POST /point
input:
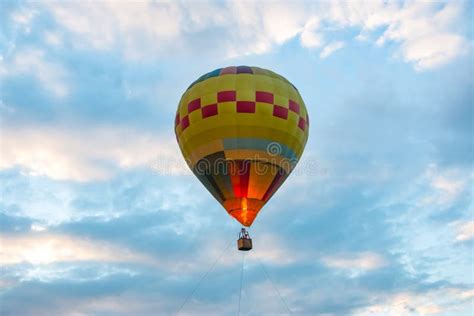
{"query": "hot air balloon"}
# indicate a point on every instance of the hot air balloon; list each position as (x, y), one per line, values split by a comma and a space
(241, 131)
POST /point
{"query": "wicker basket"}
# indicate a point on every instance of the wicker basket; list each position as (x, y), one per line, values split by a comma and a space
(244, 244)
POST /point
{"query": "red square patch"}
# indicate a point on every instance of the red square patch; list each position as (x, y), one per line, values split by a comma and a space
(261, 96)
(185, 122)
(209, 110)
(224, 96)
(245, 107)
(280, 112)
(302, 123)
(194, 105)
(229, 70)
(295, 107)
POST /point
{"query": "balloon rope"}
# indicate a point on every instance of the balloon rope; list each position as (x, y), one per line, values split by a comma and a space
(274, 286)
(241, 279)
(203, 277)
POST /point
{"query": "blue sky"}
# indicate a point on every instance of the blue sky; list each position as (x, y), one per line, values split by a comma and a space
(99, 215)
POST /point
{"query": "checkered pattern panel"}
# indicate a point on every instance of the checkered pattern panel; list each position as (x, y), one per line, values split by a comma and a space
(243, 107)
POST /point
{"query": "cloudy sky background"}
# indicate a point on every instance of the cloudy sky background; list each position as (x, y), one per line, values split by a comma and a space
(99, 215)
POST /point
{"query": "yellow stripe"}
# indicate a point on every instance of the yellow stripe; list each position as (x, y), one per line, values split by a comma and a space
(198, 139)
(259, 181)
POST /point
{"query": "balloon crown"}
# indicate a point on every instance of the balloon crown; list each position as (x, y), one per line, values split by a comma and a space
(233, 70)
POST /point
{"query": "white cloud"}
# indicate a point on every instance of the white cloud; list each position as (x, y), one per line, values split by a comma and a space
(331, 48)
(53, 38)
(355, 263)
(310, 38)
(467, 294)
(433, 50)
(257, 27)
(449, 301)
(23, 18)
(465, 231)
(428, 33)
(48, 248)
(38, 227)
(273, 250)
(445, 186)
(137, 27)
(41, 249)
(282, 22)
(144, 29)
(52, 76)
(89, 153)
(450, 187)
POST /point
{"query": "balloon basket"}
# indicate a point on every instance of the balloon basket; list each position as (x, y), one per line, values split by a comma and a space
(244, 244)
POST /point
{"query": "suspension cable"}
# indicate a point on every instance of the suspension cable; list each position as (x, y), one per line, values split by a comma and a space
(241, 280)
(274, 286)
(203, 277)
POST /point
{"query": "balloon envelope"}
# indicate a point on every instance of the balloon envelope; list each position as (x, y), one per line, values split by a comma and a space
(242, 130)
